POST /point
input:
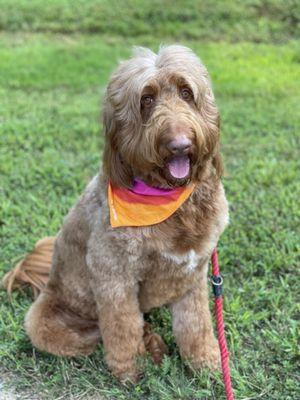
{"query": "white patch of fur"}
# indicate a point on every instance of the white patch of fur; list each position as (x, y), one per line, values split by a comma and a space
(189, 260)
(91, 186)
(93, 211)
(224, 216)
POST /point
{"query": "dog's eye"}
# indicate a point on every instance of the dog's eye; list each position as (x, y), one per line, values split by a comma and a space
(147, 100)
(186, 94)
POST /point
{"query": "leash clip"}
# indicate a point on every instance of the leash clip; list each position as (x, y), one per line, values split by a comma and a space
(217, 282)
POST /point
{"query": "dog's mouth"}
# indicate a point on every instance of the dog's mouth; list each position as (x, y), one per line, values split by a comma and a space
(179, 166)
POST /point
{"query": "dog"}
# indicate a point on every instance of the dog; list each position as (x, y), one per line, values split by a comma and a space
(162, 128)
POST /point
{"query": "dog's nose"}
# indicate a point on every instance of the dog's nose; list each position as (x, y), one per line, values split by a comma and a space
(180, 145)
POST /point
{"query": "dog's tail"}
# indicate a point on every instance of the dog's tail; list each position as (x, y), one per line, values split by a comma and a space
(34, 269)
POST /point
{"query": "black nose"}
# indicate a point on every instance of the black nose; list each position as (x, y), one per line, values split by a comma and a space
(180, 145)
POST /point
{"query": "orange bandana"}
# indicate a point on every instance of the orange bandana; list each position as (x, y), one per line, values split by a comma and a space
(144, 205)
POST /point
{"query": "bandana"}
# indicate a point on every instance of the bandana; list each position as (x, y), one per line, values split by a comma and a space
(144, 205)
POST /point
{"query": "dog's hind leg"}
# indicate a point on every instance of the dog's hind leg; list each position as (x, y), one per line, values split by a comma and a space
(58, 331)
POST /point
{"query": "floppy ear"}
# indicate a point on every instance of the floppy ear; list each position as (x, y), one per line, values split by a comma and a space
(210, 114)
(217, 162)
(118, 172)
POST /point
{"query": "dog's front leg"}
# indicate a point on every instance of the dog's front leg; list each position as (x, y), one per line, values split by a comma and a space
(121, 328)
(193, 330)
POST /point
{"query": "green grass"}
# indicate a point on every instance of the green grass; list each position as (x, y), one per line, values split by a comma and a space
(257, 20)
(50, 145)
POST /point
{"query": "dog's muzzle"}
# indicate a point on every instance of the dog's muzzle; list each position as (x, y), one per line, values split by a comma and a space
(179, 162)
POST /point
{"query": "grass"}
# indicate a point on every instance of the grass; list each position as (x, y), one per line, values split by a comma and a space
(256, 20)
(51, 85)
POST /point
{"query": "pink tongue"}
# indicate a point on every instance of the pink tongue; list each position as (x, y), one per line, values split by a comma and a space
(179, 166)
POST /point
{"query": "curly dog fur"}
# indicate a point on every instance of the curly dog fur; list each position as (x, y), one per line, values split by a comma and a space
(102, 279)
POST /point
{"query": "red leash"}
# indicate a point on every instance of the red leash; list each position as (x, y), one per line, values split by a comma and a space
(217, 281)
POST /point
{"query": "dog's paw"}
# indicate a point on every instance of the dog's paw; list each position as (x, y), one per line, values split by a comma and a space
(129, 377)
(126, 370)
(207, 356)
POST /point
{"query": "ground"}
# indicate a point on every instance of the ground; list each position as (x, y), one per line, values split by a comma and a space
(54, 67)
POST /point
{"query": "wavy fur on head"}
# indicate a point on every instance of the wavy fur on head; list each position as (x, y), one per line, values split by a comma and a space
(136, 140)
(160, 119)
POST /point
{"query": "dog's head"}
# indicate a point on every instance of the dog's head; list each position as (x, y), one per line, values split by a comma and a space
(161, 122)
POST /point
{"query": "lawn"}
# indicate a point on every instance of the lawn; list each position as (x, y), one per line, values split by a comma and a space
(53, 70)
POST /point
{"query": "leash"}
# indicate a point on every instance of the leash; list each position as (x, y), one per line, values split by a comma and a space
(217, 281)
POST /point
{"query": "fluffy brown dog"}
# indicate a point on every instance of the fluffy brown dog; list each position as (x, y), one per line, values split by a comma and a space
(162, 126)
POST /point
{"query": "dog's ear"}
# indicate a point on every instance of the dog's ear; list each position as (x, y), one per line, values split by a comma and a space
(217, 161)
(118, 172)
(211, 116)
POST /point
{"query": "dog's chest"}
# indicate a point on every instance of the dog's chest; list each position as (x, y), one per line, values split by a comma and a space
(188, 261)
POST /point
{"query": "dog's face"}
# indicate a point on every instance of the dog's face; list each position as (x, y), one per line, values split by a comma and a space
(161, 122)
